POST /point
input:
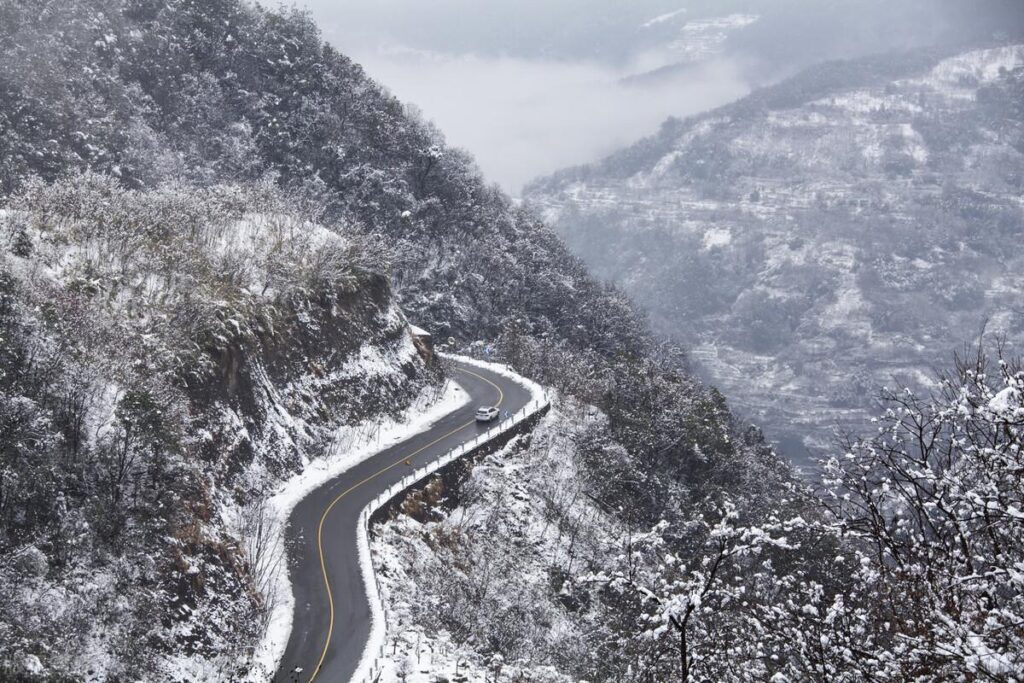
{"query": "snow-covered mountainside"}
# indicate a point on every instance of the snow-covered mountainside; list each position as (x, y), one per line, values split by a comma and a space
(168, 357)
(858, 222)
(213, 222)
(495, 580)
(538, 568)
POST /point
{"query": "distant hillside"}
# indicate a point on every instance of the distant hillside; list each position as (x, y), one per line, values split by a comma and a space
(855, 223)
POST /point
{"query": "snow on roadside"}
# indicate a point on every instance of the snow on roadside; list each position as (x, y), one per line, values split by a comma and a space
(378, 638)
(361, 446)
(511, 519)
(537, 391)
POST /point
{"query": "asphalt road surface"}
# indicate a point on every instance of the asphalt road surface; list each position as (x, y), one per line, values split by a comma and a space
(332, 612)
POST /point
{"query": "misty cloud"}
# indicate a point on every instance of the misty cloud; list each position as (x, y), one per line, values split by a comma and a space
(529, 86)
(524, 118)
(529, 92)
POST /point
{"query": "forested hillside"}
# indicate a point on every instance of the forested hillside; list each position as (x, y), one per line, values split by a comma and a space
(214, 229)
(211, 218)
(200, 92)
(168, 356)
(819, 238)
(904, 567)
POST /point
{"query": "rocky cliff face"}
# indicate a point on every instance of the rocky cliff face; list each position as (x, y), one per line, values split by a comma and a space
(858, 222)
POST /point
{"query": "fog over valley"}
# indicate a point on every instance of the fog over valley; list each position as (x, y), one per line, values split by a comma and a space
(531, 87)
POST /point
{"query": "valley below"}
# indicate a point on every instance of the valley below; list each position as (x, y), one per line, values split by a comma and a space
(848, 229)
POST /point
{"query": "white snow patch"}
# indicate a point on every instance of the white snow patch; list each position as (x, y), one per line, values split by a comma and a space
(32, 665)
(958, 78)
(703, 39)
(662, 18)
(867, 102)
(717, 237)
(984, 66)
(1007, 403)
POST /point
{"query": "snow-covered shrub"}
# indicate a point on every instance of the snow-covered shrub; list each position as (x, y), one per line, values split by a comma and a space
(935, 504)
(909, 570)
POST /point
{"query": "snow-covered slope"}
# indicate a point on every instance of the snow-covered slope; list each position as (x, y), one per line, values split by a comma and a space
(168, 359)
(236, 211)
(859, 221)
(448, 577)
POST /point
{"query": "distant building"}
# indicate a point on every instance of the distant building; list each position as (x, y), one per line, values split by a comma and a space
(423, 341)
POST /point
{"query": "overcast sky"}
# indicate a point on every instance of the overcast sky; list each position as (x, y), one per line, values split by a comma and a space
(531, 86)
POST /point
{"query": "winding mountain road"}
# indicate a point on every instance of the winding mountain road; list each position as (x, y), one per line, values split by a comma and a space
(332, 619)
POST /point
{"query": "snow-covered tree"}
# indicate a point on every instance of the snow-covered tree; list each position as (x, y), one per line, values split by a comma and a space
(935, 503)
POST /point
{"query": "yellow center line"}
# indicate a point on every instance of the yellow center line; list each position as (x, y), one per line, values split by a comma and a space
(327, 511)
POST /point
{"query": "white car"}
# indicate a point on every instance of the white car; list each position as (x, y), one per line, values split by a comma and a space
(486, 414)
